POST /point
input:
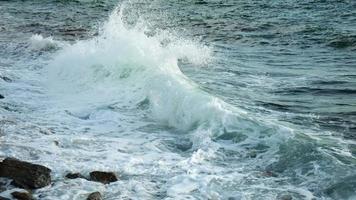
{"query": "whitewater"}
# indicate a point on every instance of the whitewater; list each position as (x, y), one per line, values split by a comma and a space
(137, 101)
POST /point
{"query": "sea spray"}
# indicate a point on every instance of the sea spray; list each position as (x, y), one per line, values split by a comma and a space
(40, 43)
(125, 63)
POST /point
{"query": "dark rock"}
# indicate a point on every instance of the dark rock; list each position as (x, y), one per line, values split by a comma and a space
(3, 198)
(7, 79)
(94, 196)
(74, 176)
(25, 174)
(19, 184)
(103, 177)
(1, 96)
(22, 195)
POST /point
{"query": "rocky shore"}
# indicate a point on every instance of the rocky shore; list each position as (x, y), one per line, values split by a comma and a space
(25, 178)
(19, 179)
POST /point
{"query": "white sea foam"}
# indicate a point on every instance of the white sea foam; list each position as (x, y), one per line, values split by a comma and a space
(126, 65)
(38, 42)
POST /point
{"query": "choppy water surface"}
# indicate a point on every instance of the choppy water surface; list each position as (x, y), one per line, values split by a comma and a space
(183, 99)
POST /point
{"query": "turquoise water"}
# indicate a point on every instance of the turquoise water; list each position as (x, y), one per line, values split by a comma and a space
(183, 99)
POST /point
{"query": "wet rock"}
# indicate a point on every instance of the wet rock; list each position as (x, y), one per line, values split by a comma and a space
(2, 96)
(74, 176)
(3, 198)
(22, 195)
(94, 196)
(19, 184)
(25, 174)
(103, 177)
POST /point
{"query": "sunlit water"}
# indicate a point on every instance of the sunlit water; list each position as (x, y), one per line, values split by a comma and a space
(182, 100)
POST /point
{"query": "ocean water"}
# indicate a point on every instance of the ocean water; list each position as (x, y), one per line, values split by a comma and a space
(203, 99)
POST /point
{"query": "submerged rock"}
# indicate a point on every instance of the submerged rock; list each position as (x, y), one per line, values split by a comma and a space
(1, 96)
(22, 195)
(342, 42)
(252, 154)
(56, 143)
(25, 174)
(103, 177)
(269, 173)
(74, 176)
(7, 79)
(184, 145)
(3, 198)
(94, 196)
(74, 32)
(285, 197)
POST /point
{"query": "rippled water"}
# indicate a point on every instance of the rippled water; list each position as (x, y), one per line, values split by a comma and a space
(182, 99)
